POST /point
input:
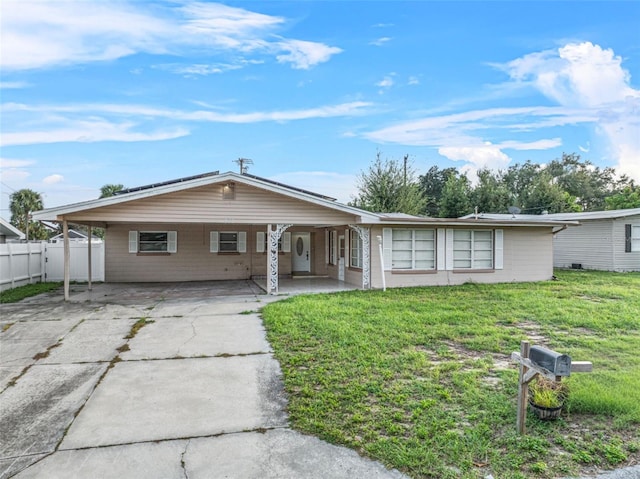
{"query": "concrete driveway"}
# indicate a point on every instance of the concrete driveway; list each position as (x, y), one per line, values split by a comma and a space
(154, 381)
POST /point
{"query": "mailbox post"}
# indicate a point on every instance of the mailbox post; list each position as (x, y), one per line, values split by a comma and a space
(538, 360)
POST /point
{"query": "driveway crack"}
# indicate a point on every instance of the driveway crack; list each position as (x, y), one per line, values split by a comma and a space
(193, 335)
(183, 463)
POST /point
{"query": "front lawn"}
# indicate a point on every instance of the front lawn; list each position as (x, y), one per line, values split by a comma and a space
(420, 378)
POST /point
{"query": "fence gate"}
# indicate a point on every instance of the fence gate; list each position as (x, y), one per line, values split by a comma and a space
(78, 261)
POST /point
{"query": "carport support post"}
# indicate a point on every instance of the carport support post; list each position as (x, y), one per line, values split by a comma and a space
(89, 258)
(65, 236)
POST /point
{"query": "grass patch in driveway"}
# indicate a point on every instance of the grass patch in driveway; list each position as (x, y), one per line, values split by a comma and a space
(21, 292)
(419, 378)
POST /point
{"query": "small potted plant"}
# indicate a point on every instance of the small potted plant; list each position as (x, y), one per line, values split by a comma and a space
(546, 397)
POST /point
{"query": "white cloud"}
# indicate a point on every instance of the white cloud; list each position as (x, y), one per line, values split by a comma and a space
(53, 179)
(413, 80)
(380, 41)
(13, 85)
(127, 123)
(303, 55)
(14, 163)
(340, 186)
(49, 34)
(546, 144)
(87, 131)
(477, 157)
(589, 77)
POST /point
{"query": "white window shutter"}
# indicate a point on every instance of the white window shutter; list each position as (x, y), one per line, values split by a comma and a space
(498, 247)
(326, 246)
(172, 241)
(242, 242)
(387, 248)
(213, 241)
(260, 241)
(286, 242)
(440, 248)
(334, 250)
(133, 241)
(449, 249)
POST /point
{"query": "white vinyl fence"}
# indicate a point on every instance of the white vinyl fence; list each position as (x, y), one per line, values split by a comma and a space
(24, 263)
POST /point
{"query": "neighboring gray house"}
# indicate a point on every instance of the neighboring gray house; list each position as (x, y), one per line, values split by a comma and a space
(8, 232)
(606, 240)
(75, 236)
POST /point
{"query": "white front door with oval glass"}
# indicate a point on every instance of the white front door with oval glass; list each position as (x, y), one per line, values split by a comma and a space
(301, 252)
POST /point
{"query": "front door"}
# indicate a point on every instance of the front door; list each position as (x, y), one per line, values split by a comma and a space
(301, 252)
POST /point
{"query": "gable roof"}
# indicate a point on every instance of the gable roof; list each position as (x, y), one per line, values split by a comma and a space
(10, 231)
(131, 194)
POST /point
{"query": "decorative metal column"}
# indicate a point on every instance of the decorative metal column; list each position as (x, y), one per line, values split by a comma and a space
(365, 236)
(273, 236)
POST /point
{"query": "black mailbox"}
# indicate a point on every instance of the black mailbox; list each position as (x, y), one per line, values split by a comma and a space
(558, 364)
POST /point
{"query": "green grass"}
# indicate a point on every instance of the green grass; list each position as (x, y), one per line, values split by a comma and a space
(419, 378)
(21, 292)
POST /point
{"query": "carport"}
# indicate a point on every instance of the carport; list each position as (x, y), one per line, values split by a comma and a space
(223, 227)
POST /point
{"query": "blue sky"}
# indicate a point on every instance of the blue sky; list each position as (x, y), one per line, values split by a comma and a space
(137, 92)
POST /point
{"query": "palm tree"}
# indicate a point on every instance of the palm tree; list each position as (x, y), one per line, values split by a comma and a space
(22, 204)
(109, 190)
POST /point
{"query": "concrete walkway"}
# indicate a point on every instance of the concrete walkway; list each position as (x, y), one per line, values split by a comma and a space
(194, 393)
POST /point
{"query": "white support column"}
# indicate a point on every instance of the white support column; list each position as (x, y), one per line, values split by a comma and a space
(365, 236)
(65, 235)
(89, 259)
(273, 236)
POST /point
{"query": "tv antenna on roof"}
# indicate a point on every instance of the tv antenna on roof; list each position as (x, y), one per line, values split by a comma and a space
(514, 210)
(242, 162)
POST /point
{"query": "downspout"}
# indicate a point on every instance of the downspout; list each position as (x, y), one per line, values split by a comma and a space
(564, 227)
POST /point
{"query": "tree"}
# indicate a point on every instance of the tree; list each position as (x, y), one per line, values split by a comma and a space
(588, 183)
(431, 184)
(545, 195)
(629, 197)
(21, 204)
(519, 180)
(455, 200)
(109, 190)
(389, 187)
(491, 194)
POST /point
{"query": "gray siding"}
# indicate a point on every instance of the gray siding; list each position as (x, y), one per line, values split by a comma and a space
(624, 261)
(596, 244)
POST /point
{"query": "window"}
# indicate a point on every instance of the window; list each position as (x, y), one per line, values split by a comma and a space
(635, 238)
(153, 241)
(228, 242)
(472, 249)
(413, 249)
(284, 242)
(356, 250)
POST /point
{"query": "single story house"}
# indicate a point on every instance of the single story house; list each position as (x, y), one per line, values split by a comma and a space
(606, 240)
(239, 226)
(8, 232)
